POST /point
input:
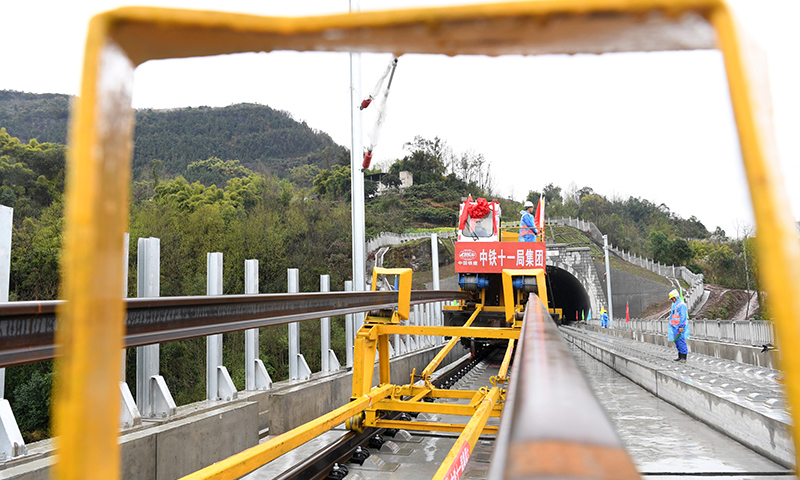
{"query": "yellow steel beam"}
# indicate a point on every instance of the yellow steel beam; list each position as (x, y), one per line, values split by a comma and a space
(439, 358)
(365, 344)
(419, 396)
(455, 459)
(435, 408)
(431, 426)
(776, 238)
(245, 462)
(477, 332)
(413, 390)
(502, 375)
(91, 321)
(384, 367)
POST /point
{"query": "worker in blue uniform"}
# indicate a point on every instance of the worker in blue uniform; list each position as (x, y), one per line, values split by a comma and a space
(604, 318)
(527, 230)
(678, 331)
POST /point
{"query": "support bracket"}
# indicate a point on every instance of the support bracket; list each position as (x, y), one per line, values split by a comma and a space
(226, 390)
(160, 398)
(263, 380)
(129, 415)
(11, 443)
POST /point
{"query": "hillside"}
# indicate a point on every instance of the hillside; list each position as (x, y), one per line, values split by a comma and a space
(261, 138)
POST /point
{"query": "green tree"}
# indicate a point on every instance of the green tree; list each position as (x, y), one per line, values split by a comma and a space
(214, 171)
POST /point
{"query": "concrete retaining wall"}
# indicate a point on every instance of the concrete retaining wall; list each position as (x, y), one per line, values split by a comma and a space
(632, 290)
(767, 436)
(206, 432)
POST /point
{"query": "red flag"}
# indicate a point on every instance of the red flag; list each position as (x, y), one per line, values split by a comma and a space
(627, 312)
(538, 218)
(462, 221)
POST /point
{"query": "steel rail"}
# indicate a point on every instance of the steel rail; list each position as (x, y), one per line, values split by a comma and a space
(27, 329)
(552, 425)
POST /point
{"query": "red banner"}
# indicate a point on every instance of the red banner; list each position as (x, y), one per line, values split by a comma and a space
(459, 464)
(494, 257)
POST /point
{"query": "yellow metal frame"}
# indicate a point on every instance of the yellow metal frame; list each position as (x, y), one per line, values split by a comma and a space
(91, 324)
(512, 307)
(403, 309)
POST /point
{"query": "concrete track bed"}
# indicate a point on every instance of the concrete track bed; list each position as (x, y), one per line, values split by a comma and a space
(744, 402)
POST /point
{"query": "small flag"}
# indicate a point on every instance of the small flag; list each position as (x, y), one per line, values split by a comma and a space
(590, 315)
(627, 312)
(582, 312)
(538, 218)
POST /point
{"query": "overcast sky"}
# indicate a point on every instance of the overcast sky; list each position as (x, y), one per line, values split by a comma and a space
(652, 125)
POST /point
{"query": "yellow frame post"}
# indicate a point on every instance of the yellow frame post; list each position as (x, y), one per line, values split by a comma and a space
(508, 289)
(403, 292)
(98, 171)
(469, 437)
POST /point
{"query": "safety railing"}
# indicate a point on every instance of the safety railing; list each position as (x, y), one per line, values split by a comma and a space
(743, 332)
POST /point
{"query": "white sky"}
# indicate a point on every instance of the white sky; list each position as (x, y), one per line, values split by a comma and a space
(657, 126)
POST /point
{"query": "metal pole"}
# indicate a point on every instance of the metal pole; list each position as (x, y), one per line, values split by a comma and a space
(251, 335)
(213, 342)
(294, 327)
(148, 284)
(608, 283)
(435, 263)
(356, 175)
(349, 331)
(325, 327)
(6, 217)
(125, 252)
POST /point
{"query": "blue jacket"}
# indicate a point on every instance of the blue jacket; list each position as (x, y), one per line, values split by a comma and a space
(527, 232)
(678, 318)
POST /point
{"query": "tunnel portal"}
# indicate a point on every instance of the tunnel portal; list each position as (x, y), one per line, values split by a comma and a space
(567, 293)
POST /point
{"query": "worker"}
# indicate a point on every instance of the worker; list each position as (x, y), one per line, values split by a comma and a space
(527, 230)
(678, 330)
(604, 318)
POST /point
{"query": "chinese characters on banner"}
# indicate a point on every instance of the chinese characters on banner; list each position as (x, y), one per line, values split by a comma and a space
(458, 465)
(494, 257)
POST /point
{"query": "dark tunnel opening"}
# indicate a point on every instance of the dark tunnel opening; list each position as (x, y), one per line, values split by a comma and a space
(567, 293)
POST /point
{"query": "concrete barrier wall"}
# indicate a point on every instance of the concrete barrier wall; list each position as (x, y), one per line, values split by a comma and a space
(729, 351)
(203, 433)
(767, 436)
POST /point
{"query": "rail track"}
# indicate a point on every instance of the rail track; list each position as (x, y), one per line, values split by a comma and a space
(27, 329)
(320, 465)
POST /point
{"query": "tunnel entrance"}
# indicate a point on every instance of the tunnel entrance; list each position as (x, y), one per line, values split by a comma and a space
(567, 293)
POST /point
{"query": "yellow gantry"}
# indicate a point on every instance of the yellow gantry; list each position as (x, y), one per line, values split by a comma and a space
(91, 322)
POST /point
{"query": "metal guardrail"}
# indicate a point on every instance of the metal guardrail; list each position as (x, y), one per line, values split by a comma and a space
(553, 426)
(743, 332)
(27, 329)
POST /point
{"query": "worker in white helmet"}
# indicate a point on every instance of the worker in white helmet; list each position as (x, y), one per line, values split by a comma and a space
(678, 330)
(527, 230)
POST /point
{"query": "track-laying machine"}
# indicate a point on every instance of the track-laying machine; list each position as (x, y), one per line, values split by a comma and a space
(494, 268)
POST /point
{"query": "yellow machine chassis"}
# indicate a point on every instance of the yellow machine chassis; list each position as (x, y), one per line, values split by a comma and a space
(91, 322)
